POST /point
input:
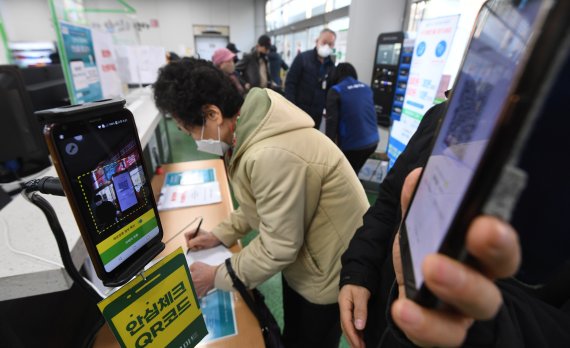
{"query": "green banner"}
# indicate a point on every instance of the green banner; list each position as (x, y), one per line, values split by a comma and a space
(4, 41)
(412, 114)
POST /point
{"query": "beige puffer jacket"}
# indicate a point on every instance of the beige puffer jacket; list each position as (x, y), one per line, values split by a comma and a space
(296, 187)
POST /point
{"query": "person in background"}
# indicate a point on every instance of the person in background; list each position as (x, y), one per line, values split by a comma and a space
(292, 184)
(529, 308)
(276, 63)
(54, 57)
(105, 211)
(306, 82)
(350, 116)
(223, 59)
(367, 272)
(254, 66)
(232, 47)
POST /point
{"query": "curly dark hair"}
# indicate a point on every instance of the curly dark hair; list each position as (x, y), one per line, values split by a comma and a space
(185, 86)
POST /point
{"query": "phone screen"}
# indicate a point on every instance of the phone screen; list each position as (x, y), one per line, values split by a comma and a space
(480, 93)
(103, 162)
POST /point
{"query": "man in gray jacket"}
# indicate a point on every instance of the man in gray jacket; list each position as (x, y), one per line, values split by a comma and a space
(254, 66)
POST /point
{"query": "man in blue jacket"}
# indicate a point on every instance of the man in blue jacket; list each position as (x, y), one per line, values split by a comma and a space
(306, 82)
(351, 118)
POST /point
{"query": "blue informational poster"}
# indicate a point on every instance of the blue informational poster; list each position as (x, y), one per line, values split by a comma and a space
(190, 177)
(78, 45)
(432, 43)
(219, 315)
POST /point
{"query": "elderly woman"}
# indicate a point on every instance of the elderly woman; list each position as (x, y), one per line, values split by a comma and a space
(292, 183)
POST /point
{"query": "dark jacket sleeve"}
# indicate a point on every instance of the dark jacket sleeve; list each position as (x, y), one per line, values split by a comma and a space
(241, 67)
(293, 78)
(370, 246)
(284, 65)
(333, 108)
(522, 321)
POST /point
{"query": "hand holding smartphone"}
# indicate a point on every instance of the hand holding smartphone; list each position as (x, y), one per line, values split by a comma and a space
(98, 156)
(508, 69)
(472, 294)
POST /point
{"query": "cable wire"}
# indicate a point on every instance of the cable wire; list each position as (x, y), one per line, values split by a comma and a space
(4, 228)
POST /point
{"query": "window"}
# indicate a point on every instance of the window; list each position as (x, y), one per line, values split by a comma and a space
(280, 13)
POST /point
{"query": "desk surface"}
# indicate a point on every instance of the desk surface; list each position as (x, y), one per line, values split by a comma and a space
(25, 227)
(249, 333)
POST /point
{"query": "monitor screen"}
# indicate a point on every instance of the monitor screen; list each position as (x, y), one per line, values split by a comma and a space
(22, 149)
(46, 86)
(388, 54)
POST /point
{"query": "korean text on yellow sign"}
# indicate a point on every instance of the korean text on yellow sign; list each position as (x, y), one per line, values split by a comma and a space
(160, 311)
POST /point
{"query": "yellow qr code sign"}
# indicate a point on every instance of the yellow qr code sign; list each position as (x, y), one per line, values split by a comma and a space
(159, 311)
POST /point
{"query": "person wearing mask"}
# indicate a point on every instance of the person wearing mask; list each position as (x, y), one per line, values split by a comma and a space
(306, 82)
(276, 63)
(254, 66)
(351, 118)
(223, 59)
(292, 184)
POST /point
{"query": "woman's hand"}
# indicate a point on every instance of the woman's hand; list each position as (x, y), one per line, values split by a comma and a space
(201, 240)
(203, 276)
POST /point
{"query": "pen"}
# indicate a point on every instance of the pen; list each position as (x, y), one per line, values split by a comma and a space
(183, 229)
(197, 229)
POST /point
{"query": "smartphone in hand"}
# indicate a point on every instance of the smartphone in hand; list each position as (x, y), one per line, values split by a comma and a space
(507, 72)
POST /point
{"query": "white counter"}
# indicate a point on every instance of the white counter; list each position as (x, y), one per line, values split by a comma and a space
(147, 117)
(27, 230)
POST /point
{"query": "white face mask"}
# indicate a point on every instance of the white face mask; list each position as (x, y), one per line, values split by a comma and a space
(324, 51)
(215, 147)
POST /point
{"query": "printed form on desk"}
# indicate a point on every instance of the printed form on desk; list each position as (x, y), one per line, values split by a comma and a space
(213, 256)
(189, 188)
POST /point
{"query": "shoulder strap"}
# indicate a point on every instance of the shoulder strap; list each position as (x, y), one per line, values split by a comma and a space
(240, 287)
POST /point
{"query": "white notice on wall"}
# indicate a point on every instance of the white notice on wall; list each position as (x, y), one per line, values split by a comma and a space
(107, 64)
(140, 64)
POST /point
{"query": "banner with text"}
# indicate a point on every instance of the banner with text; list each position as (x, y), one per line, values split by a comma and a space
(160, 310)
(107, 64)
(431, 49)
(80, 54)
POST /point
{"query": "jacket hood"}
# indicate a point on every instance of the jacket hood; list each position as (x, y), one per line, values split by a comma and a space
(264, 114)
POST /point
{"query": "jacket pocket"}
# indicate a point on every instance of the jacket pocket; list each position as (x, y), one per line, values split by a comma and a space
(309, 262)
